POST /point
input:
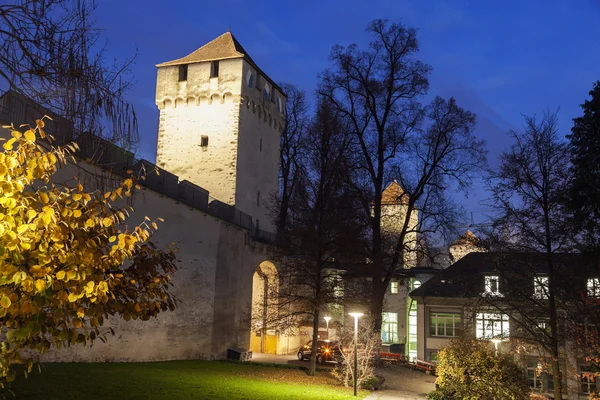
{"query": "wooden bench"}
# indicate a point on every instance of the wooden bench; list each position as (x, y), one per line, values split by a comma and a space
(423, 366)
(392, 358)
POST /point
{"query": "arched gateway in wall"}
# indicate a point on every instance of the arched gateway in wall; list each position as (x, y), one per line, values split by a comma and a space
(265, 289)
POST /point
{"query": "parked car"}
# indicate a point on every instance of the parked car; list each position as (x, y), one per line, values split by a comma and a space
(327, 350)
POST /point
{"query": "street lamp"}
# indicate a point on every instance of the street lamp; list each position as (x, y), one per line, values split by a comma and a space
(496, 341)
(327, 319)
(356, 316)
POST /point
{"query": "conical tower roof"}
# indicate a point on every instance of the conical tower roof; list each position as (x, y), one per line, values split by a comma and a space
(394, 194)
(467, 238)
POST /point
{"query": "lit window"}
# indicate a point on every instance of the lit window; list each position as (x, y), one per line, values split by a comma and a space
(444, 324)
(394, 287)
(389, 327)
(587, 380)
(492, 326)
(540, 287)
(534, 375)
(203, 141)
(491, 286)
(593, 287)
(183, 71)
(214, 69)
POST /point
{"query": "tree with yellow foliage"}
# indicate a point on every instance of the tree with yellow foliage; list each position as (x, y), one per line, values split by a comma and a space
(67, 260)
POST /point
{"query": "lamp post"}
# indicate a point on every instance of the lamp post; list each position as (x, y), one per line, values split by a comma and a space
(356, 316)
(327, 319)
(496, 341)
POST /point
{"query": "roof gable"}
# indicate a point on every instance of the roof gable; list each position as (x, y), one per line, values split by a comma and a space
(223, 47)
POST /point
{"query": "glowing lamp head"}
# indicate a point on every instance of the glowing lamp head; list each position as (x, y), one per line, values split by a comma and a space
(356, 314)
(327, 319)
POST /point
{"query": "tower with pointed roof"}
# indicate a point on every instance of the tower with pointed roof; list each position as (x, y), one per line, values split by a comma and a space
(394, 202)
(220, 124)
(467, 243)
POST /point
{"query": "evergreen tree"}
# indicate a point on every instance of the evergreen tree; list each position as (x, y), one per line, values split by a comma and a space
(585, 158)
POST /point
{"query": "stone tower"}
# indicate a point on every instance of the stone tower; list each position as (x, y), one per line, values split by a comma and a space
(465, 244)
(394, 203)
(220, 124)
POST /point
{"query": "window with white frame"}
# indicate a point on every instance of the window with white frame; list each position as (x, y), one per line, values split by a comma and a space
(394, 287)
(444, 324)
(587, 380)
(389, 327)
(593, 287)
(534, 375)
(540, 287)
(492, 286)
(492, 326)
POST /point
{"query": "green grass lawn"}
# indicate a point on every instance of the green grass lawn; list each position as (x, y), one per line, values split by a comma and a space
(179, 380)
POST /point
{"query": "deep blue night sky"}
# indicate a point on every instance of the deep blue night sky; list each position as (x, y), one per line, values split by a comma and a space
(499, 59)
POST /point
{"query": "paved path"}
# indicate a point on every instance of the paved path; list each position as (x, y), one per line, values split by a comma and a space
(401, 383)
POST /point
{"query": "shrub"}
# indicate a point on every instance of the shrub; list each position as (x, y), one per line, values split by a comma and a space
(368, 342)
(470, 369)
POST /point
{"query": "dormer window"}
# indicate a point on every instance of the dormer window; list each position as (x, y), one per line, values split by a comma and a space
(492, 287)
(214, 69)
(593, 287)
(540, 287)
(183, 70)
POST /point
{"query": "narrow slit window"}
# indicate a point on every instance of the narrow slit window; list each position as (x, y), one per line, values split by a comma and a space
(183, 72)
(203, 141)
(214, 69)
(260, 145)
(258, 198)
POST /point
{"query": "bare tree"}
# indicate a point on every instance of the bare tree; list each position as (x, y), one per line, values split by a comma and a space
(291, 149)
(426, 149)
(529, 189)
(322, 226)
(52, 54)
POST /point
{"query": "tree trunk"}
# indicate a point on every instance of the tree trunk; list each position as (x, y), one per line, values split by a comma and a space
(312, 366)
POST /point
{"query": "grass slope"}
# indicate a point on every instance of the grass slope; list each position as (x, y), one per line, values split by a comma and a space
(179, 380)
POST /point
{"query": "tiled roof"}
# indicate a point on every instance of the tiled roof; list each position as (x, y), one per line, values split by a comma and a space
(394, 194)
(464, 278)
(223, 47)
(467, 238)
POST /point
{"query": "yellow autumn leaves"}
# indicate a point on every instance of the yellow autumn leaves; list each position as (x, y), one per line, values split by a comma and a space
(63, 249)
